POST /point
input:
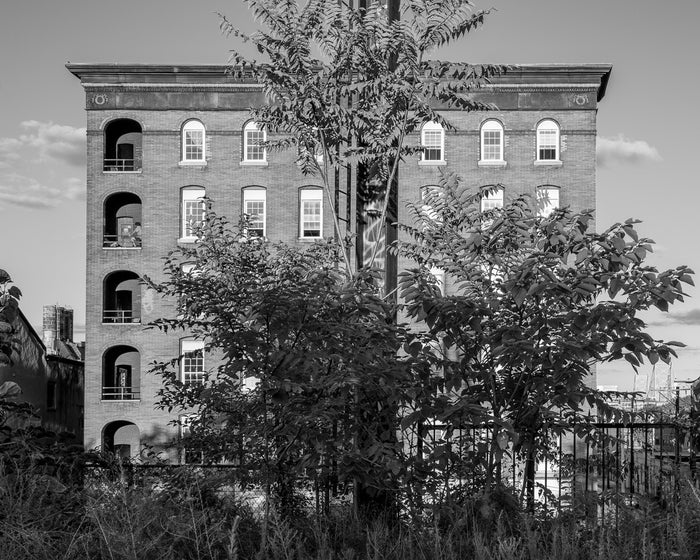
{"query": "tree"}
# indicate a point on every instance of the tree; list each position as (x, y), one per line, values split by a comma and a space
(534, 303)
(304, 357)
(346, 86)
(9, 344)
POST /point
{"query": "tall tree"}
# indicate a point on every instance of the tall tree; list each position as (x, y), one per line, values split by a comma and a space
(346, 86)
(532, 305)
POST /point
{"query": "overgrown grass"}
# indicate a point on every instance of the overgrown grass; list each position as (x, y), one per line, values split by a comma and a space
(186, 517)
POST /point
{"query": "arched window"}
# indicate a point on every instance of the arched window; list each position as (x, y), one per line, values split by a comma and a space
(122, 221)
(121, 298)
(191, 212)
(121, 367)
(122, 146)
(548, 141)
(547, 200)
(255, 209)
(432, 140)
(311, 213)
(492, 142)
(193, 142)
(253, 138)
(491, 198)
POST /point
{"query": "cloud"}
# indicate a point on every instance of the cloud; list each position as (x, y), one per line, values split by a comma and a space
(55, 142)
(691, 317)
(621, 150)
(45, 143)
(27, 192)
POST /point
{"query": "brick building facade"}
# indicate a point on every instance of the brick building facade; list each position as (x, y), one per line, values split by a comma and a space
(161, 136)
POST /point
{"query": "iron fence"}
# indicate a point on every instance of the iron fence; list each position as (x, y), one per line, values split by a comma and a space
(614, 465)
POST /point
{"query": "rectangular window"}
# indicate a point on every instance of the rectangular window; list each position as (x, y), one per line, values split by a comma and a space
(254, 151)
(254, 202)
(547, 145)
(311, 214)
(194, 145)
(547, 200)
(432, 142)
(192, 363)
(51, 400)
(492, 199)
(431, 197)
(492, 145)
(189, 455)
(192, 211)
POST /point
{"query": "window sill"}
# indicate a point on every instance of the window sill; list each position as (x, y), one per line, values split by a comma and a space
(197, 163)
(309, 239)
(548, 163)
(116, 172)
(121, 401)
(122, 323)
(187, 240)
(492, 163)
(431, 163)
(252, 163)
(123, 248)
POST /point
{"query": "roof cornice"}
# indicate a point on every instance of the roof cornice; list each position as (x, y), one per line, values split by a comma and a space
(202, 75)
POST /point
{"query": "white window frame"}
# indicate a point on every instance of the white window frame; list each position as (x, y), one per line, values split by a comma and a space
(488, 127)
(310, 194)
(193, 126)
(189, 195)
(190, 346)
(547, 200)
(427, 210)
(493, 199)
(545, 129)
(439, 275)
(250, 128)
(252, 195)
(427, 135)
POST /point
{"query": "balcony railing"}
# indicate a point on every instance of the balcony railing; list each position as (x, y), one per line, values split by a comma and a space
(122, 164)
(120, 393)
(121, 242)
(120, 316)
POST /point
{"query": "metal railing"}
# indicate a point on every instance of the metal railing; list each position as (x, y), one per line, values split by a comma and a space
(120, 393)
(121, 164)
(121, 242)
(120, 316)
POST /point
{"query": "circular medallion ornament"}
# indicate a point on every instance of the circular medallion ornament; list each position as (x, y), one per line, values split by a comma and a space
(581, 99)
(100, 99)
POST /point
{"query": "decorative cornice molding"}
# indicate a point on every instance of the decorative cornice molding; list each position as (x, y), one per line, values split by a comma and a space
(159, 76)
(223, 87)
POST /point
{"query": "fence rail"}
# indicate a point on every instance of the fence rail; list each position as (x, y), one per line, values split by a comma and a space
(617, 463)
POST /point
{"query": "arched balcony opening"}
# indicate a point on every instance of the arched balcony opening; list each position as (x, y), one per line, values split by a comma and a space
(122, 298)
(121, 374)
(122, 221)
(122, 438)
(122, 146)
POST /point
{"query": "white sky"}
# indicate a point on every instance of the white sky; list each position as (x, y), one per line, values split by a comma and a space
(646, 121)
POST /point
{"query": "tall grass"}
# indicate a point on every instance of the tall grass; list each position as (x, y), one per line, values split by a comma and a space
(187, 518)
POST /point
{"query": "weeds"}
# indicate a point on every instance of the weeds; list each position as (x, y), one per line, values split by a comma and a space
(188, 518)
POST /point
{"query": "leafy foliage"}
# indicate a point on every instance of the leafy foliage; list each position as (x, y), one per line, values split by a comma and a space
(532, 305)
(346, 86)
(9, 307)
(305, 357)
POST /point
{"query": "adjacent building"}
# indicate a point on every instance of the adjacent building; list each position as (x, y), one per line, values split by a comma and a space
(50, 372)
(161, 137)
